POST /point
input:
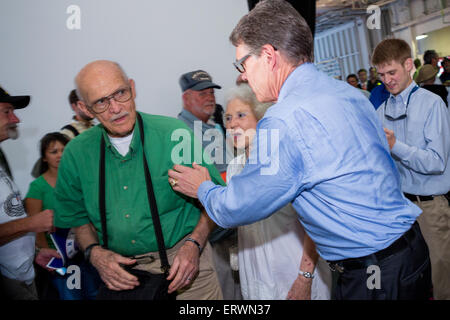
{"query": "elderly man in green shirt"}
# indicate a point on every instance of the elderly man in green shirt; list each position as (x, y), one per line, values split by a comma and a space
(108, 95)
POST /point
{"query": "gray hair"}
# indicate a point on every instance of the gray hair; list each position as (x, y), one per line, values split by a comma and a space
(428, 55)
(277, 23)
(244, 93)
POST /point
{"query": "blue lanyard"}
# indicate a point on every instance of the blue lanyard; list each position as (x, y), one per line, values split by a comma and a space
(403, 116)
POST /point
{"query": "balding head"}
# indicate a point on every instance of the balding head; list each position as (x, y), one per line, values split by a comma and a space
(97, 70)
(105, 83)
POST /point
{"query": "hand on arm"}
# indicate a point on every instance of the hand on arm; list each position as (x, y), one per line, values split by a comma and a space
(187, 180)
(106, 262)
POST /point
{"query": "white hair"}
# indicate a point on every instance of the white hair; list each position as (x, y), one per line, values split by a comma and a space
(244, 93)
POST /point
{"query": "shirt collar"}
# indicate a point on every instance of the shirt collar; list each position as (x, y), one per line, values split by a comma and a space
(404, 94)
(135, 142)
(302, 74)
(188, 115)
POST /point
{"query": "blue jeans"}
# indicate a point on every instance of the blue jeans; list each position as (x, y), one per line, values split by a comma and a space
(90, 281)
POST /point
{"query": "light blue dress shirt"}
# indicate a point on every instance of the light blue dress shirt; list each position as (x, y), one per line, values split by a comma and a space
(332, 162)
(422, 148)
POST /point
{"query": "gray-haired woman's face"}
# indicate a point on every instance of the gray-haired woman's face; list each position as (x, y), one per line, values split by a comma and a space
(240, 122)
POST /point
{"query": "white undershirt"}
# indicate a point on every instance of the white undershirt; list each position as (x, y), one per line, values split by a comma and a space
(122, 144)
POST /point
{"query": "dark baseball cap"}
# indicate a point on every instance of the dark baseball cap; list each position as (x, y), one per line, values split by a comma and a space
(197, 80)
(18, 102)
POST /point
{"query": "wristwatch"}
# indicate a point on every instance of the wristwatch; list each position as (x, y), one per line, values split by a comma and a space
(306, 274)
(87, 251)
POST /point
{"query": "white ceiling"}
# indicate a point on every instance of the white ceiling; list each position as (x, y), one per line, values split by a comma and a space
(333, 13)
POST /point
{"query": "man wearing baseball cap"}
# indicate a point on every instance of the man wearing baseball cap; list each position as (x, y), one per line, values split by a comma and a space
(9, 124)
(17, 236)
(199, 104)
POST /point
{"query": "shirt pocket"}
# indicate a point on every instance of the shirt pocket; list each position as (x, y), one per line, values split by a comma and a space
(415, 133)
(167, 199)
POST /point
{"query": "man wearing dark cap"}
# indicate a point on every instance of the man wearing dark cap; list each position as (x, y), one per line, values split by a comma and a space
(199, 103)
(17, 236)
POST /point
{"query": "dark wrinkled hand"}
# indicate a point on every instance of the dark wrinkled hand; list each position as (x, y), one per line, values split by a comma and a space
(113, 275)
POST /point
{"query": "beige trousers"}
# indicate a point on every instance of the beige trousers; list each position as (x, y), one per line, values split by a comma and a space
(204, 287)
(435, 225)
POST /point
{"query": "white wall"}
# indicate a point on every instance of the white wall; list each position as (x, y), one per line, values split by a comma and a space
(154, 41)
(437, 40)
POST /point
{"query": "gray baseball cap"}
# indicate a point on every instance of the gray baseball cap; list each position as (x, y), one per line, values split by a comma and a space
(197, 80)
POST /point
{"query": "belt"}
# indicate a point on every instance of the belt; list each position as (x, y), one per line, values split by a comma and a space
(363, 262)
(150, 257)
(414, 197)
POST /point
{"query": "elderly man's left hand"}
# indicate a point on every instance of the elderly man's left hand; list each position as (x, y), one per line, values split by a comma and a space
(185, 267)
(187, 180)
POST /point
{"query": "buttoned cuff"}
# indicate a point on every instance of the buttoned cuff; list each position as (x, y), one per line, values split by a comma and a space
(400, 150)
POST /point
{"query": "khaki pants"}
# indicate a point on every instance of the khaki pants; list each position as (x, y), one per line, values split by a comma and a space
(435, 224)
(204, 287)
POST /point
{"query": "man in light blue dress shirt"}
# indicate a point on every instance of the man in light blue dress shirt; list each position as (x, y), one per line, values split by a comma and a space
(321, 147)
(417, 126)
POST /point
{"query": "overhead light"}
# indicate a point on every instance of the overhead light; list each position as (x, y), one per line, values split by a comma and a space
(422, 36)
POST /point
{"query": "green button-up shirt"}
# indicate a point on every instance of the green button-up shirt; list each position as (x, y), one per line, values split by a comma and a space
(129, 222)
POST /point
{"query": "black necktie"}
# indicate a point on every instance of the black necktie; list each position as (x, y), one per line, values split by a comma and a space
(4, 163)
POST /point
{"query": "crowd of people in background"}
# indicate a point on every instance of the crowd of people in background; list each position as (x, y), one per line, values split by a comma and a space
(433, 75)
(355, 187)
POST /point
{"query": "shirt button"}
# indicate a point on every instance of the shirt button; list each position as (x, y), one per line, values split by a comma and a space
(133, 241)
(127, 216)
(125, 187)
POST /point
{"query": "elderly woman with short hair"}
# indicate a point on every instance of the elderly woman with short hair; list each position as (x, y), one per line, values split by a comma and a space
(271, 251)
